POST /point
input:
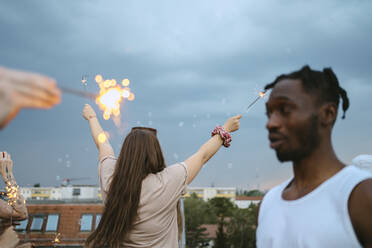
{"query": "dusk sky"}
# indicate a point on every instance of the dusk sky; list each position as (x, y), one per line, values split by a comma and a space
(191, 64)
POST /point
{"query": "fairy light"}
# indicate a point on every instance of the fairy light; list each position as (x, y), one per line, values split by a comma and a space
(12, 194)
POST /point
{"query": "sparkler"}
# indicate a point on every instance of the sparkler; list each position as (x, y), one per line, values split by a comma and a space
(261, 95)
(56, 239)
(78, 93)
(110, 96)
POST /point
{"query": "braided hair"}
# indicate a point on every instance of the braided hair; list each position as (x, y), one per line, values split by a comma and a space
(323, 83)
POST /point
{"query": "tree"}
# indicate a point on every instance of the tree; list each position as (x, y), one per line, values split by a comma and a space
(254, 192)
(223, 208)
(241, 229)
(197, 212)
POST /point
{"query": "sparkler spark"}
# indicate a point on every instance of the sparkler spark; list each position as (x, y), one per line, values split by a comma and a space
(102, 138)
(84, 80)
(98, 78)
(125, 82)
(56, 239)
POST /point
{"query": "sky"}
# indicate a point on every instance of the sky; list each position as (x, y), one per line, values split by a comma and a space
(192, 64)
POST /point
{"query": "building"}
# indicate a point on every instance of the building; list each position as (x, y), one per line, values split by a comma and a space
(91, 192)
(63, 223)
(74, 192)
(59, 224)
(246, 201)
(207, 193)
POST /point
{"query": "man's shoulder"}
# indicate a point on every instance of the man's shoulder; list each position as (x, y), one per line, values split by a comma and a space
(276, 190)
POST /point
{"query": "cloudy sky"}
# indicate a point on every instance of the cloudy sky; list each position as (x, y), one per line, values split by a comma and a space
(192, 64)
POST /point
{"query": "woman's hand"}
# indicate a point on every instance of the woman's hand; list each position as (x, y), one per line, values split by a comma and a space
(88, 112)
(20, 89)
(232, 124)
(9, 238)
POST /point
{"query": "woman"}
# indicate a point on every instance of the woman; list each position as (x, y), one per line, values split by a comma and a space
(139, 191)
(13, 208)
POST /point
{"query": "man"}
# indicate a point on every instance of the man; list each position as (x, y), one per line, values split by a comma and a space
(20, 89)
(326, 204)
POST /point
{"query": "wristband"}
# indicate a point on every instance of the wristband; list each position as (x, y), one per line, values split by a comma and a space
(226, 136)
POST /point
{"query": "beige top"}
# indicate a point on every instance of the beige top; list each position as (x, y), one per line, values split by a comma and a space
(156, 225)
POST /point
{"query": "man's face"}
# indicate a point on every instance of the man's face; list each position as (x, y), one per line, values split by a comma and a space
(292, 121)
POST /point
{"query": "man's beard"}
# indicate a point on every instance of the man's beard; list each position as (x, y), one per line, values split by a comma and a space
(308, 139)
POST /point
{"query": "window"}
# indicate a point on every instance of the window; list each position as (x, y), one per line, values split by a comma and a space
(37, 223)
(86, 222)
(52, 223)
(98, 219)
(76, 192)
(22, 226)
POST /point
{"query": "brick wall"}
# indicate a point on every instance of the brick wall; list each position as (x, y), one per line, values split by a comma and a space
(68, 226)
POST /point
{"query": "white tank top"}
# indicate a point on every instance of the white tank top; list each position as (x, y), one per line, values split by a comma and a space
(318, 219)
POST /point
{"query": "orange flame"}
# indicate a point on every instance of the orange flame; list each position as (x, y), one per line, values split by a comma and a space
(262, 94)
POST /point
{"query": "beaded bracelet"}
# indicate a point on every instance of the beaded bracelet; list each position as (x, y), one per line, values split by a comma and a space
(226, 136)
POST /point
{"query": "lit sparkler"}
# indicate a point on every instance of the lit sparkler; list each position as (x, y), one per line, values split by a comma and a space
(56, 239)
(261, 95)
(111, 95)
(78, 93)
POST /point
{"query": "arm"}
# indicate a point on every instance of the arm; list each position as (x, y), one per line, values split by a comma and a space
(9, 238)
(24, 90)
(206, 151)
(16, 207)
(360, 206)
(103, 145)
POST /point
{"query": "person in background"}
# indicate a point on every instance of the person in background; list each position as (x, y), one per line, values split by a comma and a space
(20, 90)
(325, 204)
(9, 238)
(14, 208)
(140, 193)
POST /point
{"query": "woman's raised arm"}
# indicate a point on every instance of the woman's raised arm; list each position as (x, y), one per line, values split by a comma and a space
(100, 139)
(206, 151)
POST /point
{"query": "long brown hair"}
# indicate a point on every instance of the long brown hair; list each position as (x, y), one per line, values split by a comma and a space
(140, 155)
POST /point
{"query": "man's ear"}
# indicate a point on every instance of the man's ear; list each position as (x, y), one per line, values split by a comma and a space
(328, 114)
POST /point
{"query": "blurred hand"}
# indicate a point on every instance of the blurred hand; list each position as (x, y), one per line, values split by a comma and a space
(232, 124)
(88, 112)
(20, 89)
(9, 238)
(26, 245)
(6, 166)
